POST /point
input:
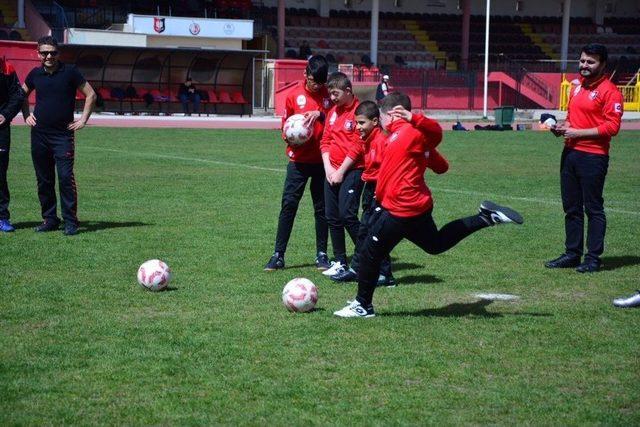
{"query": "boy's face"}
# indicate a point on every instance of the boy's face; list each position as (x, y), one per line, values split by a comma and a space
(341, 97)
(311, 83)
(365, 125)
(385, 119)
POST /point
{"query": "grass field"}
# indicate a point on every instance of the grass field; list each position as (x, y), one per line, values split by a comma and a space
(82, 343)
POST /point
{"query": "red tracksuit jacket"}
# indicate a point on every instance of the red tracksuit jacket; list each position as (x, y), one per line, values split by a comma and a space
(598, 105)
(340, 138)
(299, 101)
(401, 188)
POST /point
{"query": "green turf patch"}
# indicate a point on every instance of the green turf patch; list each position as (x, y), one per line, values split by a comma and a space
(82, 343)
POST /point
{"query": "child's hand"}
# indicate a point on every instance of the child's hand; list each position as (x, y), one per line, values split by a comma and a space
(400, 112)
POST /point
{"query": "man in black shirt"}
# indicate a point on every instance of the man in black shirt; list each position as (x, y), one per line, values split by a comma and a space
(11, 97)
(52, 132)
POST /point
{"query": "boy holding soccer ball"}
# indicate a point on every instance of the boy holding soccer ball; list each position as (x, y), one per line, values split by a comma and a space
(406, 202)
(310, 98)
(342, 156)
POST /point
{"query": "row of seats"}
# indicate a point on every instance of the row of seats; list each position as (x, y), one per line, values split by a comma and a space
(164, 96)
(346, 34)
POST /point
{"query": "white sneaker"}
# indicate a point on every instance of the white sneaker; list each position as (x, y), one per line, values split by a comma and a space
(632, 301)
(336, 267)
(355, 309)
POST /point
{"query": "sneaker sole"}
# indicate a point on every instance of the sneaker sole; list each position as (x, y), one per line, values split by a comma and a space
(508, 212)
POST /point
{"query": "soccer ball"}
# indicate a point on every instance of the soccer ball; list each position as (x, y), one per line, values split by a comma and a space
(154, 275)
(300, 295)
(294, 130)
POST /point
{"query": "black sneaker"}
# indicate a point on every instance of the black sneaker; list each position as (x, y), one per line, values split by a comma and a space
(70, 230)
(386, 281)
(47, 226)
(493, 214)
(563, 261)
(590, 266)
(348, 275)
(322, 261)
(275, 263)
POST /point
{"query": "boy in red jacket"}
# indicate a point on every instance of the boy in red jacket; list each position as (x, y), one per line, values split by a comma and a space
(368, 124)
(308, 97)
(406, 203)
(342, 156)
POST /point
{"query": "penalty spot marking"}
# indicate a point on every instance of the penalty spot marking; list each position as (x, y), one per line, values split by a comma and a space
(444, 190)
(497, 297)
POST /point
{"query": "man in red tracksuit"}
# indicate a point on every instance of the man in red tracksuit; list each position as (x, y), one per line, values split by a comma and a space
(406, 202)
(342, 156)
(368, 124)
(594, 115)
(308, 97)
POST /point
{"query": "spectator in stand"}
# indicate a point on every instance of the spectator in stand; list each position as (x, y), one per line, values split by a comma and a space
(305, 50)
(593, 116)
(383, 89)
(188, 94)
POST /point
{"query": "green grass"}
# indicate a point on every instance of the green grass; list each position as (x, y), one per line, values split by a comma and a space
(82, 343)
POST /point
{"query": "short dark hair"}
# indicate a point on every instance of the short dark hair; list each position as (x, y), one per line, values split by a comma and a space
(596, 49)
(339, 80)
(369, 109)
(318, 68)
(393, 99)
(48, 40)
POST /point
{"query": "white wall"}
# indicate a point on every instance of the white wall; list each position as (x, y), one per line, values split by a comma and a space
(579, 8)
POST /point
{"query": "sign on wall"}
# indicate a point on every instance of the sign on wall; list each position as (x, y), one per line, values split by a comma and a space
(191, 27)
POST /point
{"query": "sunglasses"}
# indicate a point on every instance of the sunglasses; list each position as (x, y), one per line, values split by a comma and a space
(46, 53)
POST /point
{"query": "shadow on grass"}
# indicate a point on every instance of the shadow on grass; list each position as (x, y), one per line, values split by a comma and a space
(301, 265)
(399, 266)
(477, 308)
(614, 262)
(87, 226)
(418, 279)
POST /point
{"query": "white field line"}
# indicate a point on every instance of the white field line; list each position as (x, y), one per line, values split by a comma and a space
(444, 190)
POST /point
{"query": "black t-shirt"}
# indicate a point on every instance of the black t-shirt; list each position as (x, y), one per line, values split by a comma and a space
(55, 95)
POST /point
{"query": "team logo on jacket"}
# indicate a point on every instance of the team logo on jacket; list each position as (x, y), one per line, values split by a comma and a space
(617, 107)
(158, 24)
(348, 125)
(332, 119)
(593, 95)
(301, 100)
(393, 137)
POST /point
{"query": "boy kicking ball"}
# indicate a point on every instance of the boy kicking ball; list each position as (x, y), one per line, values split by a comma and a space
(406, 202)
(374, 138)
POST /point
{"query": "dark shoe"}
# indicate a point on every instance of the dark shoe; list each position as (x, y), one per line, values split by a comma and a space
(494, 214)
(275, 263)
(348, 275)
(387, 281)
(589, 267)
(322, 261)
(70, 230)
(632, 301)
(563, 261)
(47, 226)
(6, 226)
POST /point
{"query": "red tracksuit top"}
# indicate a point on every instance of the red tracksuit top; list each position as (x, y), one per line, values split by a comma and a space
(340, 138)
(373, 152)
(401, 188)
(597, 105)
(299, 101)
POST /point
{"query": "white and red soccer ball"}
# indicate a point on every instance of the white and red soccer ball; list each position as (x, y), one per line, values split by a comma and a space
(295, 131)
(300, 295)
(154, 275)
